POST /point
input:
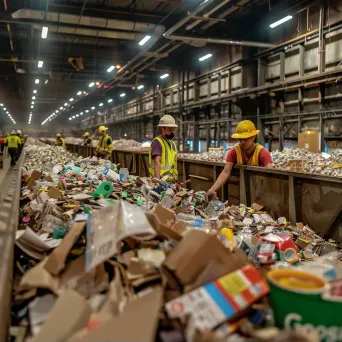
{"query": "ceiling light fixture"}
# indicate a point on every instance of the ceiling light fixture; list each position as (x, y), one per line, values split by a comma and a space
(281, 21)
(34, 91)
(93, 108)
(33, 97)
(91, 84)
(46, 81)
(72, 99)
(101, 104)
(79, 93)
(45, 30)
(111, 68)
(36, 81)
(164, 76)
(65, 104)
(40, 64)
(32, 106)
(60, 108)
(32, 102)
(203, 58)
(144, 40)
(77, 115)
(118, 66)
(70, 118)
(122, 95)
(141, 86)
(110, 100)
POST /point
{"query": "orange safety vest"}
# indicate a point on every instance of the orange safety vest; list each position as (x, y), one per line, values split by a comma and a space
(254, 158)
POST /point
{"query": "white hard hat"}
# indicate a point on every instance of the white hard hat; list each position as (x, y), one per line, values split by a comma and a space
(18, 131)
(13, 132)
(167, 121)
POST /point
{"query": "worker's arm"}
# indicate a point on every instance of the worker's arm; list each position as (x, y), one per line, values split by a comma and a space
(269, 166)
(223, 177)
(6, 141)
(157, 167)
(110, 145)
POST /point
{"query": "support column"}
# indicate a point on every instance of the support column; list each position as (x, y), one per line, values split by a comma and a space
(196, 129)
(261, 72)
(208, 87)
(282, 65)
(219, 79)
(321, 127)
(301, 60)
(229, 82)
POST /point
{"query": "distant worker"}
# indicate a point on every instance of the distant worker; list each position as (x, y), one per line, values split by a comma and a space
(247, 152)
(13, 143)
(105, 146)
(86, 140)
(163, 151)
(60, 141)
(20, 136)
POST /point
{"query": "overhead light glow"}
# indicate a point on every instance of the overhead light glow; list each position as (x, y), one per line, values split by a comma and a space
(77, 115)
(1, 104)
(60, 108)
(33, 97)
(101, 104)
(32, 106)
(164, 76)
(110, 100)
(111, 68)
(81, 113)
(118, 66)
(122, 95)
(36, 81)
(32, 102)
(93, 108)
(91, 84)
(141, 86)
(34, 91)
(281, 21)
(46, 81)
(70, 118)
(57, 111)
(4, 108)
(144, 40)
(74, 117)
(203, 58)
(72, 99)
(79, 93)
(87, 111)
(40, 64)
(45, 30)
(65, 104)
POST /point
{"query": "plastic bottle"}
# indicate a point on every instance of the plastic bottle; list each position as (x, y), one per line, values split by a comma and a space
(124, 174)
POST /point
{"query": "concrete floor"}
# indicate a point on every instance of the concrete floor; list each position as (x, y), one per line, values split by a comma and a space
(3, 171)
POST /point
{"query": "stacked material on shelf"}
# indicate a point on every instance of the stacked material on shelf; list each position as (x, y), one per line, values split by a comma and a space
(216, 156)
(104, 259)
(329, 164)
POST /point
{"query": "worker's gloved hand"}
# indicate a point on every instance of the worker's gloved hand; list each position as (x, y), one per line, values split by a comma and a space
(100, 150)
(210, 195)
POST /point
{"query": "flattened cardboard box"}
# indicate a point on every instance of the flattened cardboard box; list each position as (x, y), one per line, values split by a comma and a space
(220, 300)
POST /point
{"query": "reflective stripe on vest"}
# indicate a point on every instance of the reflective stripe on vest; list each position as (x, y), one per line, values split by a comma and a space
(168, 162)
(253, 160)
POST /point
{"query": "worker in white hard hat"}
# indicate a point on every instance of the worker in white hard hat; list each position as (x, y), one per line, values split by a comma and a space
(246, 152)
(20, 136)
(59, 140)
(87, 139)
(105, 146)
(13, 143)
(163, 151)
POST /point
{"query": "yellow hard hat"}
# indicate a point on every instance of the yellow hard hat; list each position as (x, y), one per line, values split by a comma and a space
(58, 135)
(245, 129)
(86, 134)
(167, 121)
(102, 128)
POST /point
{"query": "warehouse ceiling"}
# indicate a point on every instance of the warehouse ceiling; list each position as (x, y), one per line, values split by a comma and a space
(86, 37)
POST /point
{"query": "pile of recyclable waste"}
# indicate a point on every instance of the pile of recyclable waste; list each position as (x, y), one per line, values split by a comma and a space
(102, 255)
(215, 156)
(329, 164)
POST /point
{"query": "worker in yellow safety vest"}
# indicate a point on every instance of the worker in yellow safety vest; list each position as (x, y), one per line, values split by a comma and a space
(13, 143)
(60, 141)
(105, 146)
(87, 139)
(247, 152)
(163, 151)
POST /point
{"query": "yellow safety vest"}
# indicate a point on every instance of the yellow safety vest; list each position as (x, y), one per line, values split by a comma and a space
(103, 144)
(60, 142)
(13, 141)
(254, 158)
(168, 159)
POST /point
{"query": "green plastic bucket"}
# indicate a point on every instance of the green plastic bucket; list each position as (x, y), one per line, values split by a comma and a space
(304, 309)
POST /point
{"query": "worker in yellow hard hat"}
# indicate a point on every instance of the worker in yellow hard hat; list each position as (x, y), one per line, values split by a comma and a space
(247, 152)
(163, 151)
(105, 145)
(13, 144)
(87, 139)
(60, 141)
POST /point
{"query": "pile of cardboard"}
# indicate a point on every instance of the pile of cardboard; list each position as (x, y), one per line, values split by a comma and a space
(130, 267)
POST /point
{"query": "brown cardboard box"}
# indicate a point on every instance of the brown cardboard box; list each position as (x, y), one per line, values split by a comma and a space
(193, 253)
(309, 141)
(70, 314)
(56, 260)
(138, 322)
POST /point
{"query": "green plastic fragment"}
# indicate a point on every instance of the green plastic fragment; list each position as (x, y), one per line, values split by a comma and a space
(124, 194)
(59, 233)
(139, 202)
